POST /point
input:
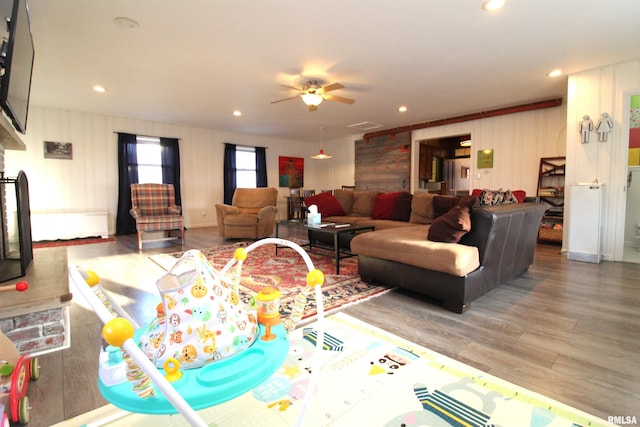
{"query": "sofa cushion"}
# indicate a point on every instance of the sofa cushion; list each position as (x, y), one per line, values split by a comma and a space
(407, 245)
(383, 224)
(363, 202)
(402, 208)
(450, 227)
(443, 203)
(383, 205)
(422, 208)
(326, 203)
(345, 197)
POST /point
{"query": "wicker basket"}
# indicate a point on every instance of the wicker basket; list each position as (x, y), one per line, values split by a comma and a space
(550, 234)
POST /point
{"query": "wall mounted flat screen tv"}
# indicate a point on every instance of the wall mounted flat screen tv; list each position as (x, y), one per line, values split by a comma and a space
(16, 61)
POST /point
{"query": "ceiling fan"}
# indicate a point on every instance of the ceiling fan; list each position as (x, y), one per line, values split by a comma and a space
(313, 94)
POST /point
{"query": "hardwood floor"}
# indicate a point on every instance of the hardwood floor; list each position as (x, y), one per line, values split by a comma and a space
(566, 329)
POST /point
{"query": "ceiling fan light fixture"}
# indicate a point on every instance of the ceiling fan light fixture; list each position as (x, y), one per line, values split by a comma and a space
(311, 99)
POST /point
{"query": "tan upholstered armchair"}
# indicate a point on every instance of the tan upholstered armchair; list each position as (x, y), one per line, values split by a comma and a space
(252, 213)
(154, 208)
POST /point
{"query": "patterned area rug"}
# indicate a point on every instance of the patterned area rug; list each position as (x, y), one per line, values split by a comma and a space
(287, 272)
(370, 377)
(71, 242)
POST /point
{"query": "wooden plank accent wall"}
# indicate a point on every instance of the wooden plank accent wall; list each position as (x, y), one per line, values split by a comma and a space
(383, 163)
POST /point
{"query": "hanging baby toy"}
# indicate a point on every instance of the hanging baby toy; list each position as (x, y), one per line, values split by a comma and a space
(202, 318)
(205, 345)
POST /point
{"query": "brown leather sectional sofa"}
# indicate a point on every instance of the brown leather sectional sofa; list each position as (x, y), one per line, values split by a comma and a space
(499, 247)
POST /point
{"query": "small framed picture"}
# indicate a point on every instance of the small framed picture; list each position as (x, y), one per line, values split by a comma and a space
(485, 159)
(58, 150)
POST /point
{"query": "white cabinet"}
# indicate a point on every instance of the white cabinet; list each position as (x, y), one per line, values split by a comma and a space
(68, 225)
(584, 228)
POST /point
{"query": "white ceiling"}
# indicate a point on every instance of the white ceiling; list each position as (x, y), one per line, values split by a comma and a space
(194, 62)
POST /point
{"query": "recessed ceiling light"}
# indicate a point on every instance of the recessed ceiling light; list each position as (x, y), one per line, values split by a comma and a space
(99, 89)
(237, 113)
(126, 23)
(555, 73)
(493, 5)
(402, 109)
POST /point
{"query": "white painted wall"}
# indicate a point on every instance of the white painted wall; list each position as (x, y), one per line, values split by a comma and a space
(593, 92)
(89, 182)
(518, 142)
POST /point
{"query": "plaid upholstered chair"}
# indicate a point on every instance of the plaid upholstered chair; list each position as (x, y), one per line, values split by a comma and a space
(251, 215)
(154, 209)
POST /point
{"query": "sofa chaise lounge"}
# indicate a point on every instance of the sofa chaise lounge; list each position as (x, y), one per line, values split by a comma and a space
(499, 247)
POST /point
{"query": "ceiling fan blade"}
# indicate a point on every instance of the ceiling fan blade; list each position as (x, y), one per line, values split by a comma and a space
(292, 87)
(313, 107)
(339, 99)
(332, 86)
(285, 99)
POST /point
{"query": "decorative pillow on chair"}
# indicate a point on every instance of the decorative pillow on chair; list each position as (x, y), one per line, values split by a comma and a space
(450, 227)
(326, 203)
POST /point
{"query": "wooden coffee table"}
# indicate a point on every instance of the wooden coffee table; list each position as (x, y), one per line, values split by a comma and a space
(335, 237)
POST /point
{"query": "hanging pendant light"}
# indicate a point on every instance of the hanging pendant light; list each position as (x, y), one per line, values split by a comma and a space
(321, 155)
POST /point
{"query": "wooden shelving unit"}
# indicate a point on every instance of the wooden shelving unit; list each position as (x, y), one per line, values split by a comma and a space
(551, 176)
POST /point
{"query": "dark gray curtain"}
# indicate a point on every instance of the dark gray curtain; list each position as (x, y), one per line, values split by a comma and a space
(127, 175)
(261, 167)
(229, 172)
(170, 157)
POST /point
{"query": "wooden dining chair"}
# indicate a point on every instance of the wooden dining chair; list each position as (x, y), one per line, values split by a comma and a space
(296, 203)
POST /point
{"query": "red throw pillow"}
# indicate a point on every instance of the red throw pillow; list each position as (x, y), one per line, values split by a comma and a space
(520, 195)
(383, 206)
(327, 204)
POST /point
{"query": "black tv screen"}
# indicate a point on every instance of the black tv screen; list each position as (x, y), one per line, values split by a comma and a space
(17, 64)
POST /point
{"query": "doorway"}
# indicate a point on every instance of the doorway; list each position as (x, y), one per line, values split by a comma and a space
(631, 251)
(444, 165)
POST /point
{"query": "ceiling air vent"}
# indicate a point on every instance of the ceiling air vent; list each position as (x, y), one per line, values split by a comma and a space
(363, 126)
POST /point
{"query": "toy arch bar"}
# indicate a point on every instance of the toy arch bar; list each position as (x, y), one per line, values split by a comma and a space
(108, 309)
